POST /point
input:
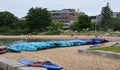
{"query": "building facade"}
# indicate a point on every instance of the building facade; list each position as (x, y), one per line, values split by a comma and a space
(98, 18)
(67, 16)
(116, 14)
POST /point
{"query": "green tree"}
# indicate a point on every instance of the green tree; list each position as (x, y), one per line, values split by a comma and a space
(38, 19)
(7, 19)
(20, 24)
(74, 26)
(21, 27)
(83, 23)
(4, 29)
(106, 17)
(115, 25)
(56, 26)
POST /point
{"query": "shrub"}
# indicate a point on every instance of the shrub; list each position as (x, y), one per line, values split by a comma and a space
(53, 33)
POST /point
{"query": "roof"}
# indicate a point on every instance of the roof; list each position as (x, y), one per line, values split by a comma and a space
(63, 10)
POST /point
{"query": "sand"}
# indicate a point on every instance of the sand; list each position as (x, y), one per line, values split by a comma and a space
(57, 37)
(69, 58)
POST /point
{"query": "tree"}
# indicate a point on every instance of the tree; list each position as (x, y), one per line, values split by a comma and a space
(115, 25)
(56, 26)
(74, 26)
(7, 19)
(20, 24)
(38, 19)
(84, 22)
(21, 27)
(106, 17)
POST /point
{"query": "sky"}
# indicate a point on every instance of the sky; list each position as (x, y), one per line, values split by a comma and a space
(91, 7)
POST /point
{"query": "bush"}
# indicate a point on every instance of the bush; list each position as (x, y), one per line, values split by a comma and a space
(4, 29)
(12, 32)
(34, 33)
(53, 33)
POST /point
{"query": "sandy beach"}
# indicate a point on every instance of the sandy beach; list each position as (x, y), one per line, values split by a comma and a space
(68, 57)
(57, 37)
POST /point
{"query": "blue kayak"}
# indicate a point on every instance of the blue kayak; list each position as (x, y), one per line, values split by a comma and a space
(94, 46)
(46, 64)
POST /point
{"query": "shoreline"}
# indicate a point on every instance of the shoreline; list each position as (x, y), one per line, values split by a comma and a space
(61, 37)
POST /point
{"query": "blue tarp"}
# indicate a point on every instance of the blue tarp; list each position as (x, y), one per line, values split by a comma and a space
(22, 47)
(33, 46)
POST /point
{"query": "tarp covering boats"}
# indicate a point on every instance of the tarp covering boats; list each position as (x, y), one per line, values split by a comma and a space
(34, 46)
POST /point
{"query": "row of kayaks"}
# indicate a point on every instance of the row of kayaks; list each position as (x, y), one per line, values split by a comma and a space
(34, 46)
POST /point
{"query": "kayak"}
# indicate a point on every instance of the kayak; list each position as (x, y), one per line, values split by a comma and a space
(3, 49)
(51, 66)
(46, 64)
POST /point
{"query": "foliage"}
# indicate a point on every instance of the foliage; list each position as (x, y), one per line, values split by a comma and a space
(115, 25)
(34, 33)
(83, 23)
(56, 26)
(20, 24)
(7, 19)
(38, 19)
(74, 26)
(20, 27)
(53, 33)
(4, 29)
(113, 49)
(106, 17)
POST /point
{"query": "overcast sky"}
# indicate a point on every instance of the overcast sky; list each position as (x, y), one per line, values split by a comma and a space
(91, 7)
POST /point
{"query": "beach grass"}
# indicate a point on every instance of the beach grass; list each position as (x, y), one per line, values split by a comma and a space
(112, 49)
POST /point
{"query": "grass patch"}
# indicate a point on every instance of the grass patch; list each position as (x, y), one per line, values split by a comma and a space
(112, 49)
(88, 33)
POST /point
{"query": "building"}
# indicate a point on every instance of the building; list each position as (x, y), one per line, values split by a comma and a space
(116, 14)
(98, 18)
(67, 16)
(95, 19)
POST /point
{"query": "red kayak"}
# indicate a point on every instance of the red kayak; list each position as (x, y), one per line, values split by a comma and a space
(3, 49)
